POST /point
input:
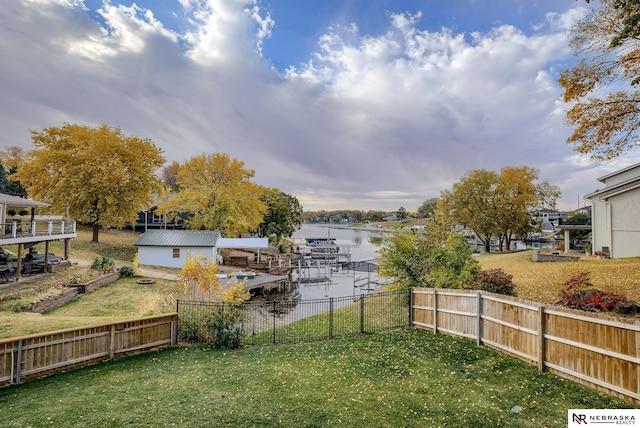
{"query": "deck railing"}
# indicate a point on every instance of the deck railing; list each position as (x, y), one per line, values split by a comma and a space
(18, 229)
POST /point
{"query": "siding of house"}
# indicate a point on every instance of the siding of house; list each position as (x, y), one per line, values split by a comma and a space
(163, 256)
(615, 212)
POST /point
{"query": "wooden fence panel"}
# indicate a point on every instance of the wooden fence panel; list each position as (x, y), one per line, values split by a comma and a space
(598, 351)
(422, 308)
(457, 312)
(593, 349)
(38, 355)
(511, 325)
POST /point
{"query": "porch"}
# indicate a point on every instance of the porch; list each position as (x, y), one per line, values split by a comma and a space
(27, 229)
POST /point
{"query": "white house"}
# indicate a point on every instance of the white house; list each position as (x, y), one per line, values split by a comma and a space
(171, 248)
(615, 213)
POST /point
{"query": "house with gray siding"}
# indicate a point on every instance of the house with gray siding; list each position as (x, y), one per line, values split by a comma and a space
(615, 213)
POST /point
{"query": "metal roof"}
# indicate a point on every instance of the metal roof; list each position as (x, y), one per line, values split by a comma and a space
(178, 238)
(17, 201)
(243, 243)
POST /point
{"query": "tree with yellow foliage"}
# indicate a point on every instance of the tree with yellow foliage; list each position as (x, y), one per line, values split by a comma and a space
(218, 194)
(103, 176)
(602, 85)
(199, 281)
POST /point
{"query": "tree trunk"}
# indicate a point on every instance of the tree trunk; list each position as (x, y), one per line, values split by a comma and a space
(96, 229)
(487, 245)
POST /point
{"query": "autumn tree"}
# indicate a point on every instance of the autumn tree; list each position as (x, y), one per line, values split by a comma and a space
(218, 194)
(497, 205)
(472, 203)
(169, 176)
(198, 280)
(601, 86)
(12, 158)
(283, 216)
(517, 194)
(103, 175)
(427, 207)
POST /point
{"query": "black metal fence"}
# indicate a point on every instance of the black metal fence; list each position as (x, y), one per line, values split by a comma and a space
(286, 321)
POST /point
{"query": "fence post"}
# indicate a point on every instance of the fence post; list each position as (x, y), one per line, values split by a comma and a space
(435, 310)
(479, 319)
(19, 361)
(274, 322)
(331, 318)
(541, 353)
(112, 342)
(174, 330)
(362, 313)
(410, 306)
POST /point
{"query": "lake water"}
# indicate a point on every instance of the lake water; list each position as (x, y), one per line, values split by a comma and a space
(320, 282)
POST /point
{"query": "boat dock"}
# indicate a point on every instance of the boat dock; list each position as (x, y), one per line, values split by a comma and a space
(264, 282)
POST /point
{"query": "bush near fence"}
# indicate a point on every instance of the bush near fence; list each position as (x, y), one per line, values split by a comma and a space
(593, 349)
(271, 322)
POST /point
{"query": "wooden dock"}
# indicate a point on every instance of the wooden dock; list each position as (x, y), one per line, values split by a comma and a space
(264, 282)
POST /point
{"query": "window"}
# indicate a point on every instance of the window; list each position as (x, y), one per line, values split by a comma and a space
(176, 253)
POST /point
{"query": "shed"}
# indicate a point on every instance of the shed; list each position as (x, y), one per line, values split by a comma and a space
(171, 248)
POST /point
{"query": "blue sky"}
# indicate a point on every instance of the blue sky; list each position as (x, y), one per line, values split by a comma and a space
(344, 104)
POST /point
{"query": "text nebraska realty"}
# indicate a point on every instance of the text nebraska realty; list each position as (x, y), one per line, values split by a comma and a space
(621, 419)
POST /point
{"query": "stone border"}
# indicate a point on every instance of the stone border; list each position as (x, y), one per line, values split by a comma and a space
(70, 292)
(94, 284)
(52, 302)
(537, 257)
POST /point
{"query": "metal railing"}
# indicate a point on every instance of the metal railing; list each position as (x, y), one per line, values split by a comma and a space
(287, 321)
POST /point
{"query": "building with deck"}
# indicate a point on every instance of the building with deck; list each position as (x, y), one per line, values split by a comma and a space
(26, 229)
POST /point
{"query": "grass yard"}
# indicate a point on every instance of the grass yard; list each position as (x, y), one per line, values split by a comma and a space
(405, 378)
(119, 300)
(542, 282)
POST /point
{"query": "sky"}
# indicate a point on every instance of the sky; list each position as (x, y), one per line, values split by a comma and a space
(344, 104)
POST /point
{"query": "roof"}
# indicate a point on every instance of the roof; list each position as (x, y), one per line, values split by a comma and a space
(613, 174)
(243, 243)
(17, 201)
(178, 238)
(616, 189)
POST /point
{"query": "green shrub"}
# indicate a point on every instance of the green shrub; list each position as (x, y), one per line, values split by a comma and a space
(126, 271)
(223, 327)
(495, 281)
(103, 264)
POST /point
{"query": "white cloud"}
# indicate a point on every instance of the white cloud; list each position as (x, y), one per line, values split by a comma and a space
(368, 122)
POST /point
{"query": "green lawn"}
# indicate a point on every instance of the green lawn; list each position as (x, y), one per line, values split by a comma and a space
(405, 378)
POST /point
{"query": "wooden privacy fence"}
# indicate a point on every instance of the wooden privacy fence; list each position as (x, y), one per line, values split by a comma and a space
(37, 355)
(593, 349)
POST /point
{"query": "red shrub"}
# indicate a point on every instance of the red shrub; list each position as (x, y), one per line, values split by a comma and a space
(574, 295)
